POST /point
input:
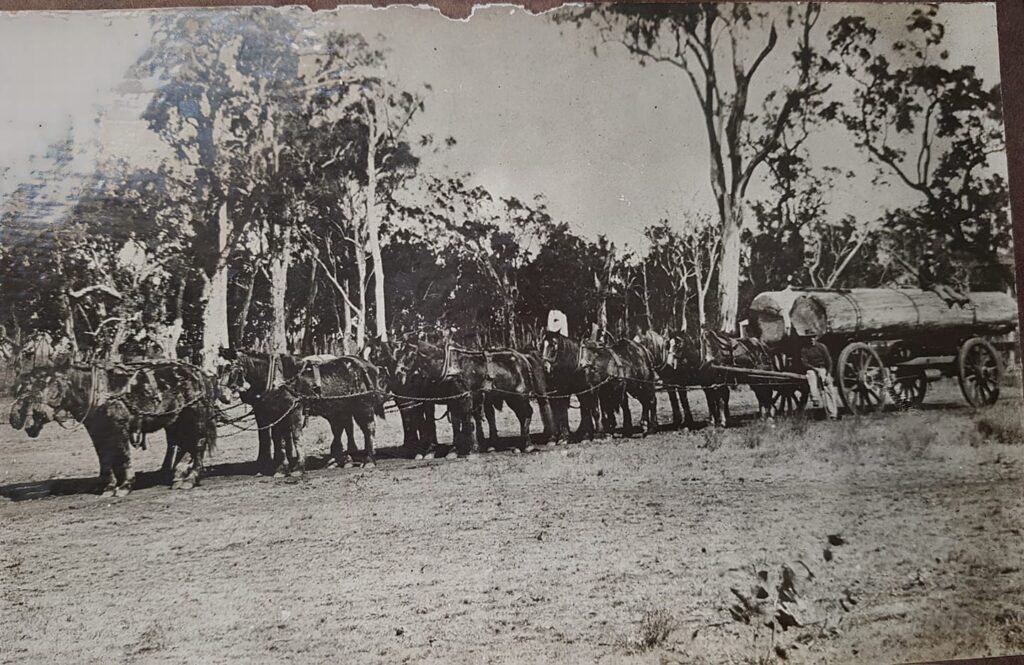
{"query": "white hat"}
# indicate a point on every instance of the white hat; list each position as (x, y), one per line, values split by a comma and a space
(558, 323)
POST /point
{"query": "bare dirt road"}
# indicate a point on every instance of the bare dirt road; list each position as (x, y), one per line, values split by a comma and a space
(636, 550)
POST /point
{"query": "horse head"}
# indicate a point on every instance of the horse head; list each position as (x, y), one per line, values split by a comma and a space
(41, 396)
(233, 380)
(683, 351)
(418, 361)
(557, 350)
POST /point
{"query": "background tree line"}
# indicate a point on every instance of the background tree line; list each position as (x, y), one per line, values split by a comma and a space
(289, 210)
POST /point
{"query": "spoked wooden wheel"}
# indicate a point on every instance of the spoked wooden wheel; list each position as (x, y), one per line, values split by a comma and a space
(789, 400)
(909, 385)
(979, 372)
(908, 390)
(861, 378)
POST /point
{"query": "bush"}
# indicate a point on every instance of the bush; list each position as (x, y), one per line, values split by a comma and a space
(655, 626)
(1001, 424)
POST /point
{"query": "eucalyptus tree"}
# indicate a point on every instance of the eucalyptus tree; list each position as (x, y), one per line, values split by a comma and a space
(719, 51)
(932, 126)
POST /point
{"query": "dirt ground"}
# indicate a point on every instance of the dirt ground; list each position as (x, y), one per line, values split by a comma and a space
(623, 550)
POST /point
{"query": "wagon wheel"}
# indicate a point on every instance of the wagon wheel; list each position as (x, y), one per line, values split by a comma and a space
(979, 372)
(861, 378)
(908, 391)
(909, 385)
(787, 399)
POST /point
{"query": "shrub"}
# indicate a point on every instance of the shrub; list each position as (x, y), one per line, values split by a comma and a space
(656, 625)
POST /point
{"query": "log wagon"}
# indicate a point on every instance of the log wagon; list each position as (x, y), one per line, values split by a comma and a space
(886, 345)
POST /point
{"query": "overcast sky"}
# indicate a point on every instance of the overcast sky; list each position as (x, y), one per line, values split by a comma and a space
(612, 145)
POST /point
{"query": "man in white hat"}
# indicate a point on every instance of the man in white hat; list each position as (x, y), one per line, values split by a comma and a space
(558, 323)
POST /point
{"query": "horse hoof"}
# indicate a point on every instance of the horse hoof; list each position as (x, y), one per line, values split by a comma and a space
(418, 456)
(452, 455)
(347, 465)
(551, 444)
(430, 456)
(369, 464)
(331, 465)
(528, 449)
(490, 449)
(279, 474)
(107, 493)
(121, 491)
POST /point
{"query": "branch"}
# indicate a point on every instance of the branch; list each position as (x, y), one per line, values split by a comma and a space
(109, 290)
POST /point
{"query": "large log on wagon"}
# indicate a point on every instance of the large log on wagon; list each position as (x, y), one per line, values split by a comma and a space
(879, 313)
(770, 314)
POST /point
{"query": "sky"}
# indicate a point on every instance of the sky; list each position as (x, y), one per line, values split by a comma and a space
(611, 145)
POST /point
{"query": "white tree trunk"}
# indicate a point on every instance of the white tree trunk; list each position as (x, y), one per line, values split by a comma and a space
(215, 299)
(167, 336)
(278, 289)
(729, 267)
(360, 319)
(373, 228)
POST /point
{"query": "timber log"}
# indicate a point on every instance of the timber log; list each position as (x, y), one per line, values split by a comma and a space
(865, 314)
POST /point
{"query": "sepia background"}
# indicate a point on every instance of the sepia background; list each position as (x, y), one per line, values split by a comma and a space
(176, 182)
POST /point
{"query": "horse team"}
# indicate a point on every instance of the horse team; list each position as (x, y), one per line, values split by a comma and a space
(119, 404)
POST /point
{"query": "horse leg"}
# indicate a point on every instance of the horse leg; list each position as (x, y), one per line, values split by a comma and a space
(764, 404)
(711, 395)
(650, 402)
(613, 399)
(479, 407)
(336, 451)
(684, 400)
(350, 439)
(409, 413)
(279, 465)
(107, 484)
(524, 412)
(725, 405)
(122, 465)
(492, 425)
(347, 461)
(547, 421)
(428, 430)
(677, 416)
(167, 468)
(627, 414)
(466, 443)
(559, 407)
(587, 428)
(368, 425)
(263, 457)
(293, 436)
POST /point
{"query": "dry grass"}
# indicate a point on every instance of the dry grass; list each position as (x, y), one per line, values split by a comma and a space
(1000, 424)
(656, 624)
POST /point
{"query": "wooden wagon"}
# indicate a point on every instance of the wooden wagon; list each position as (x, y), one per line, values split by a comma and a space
(887, 345)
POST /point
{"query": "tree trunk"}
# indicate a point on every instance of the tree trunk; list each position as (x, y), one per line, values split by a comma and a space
(307, 333)
(278, 288)
(243, 314)
(647, 301)
(67, 312)
(360, 322)
(215, 299)
(344, 323)
(729, 265)
(373, 227)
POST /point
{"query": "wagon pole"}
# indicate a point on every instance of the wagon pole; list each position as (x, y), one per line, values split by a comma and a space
(762, 373)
